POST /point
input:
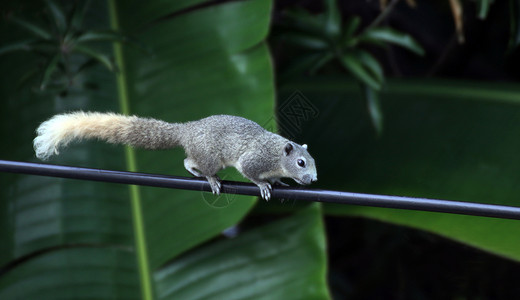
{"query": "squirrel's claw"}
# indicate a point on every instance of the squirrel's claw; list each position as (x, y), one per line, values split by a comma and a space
(215, 184)
(265, 190)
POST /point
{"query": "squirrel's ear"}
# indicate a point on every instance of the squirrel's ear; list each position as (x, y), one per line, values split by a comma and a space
(304, 146)
(288, 148)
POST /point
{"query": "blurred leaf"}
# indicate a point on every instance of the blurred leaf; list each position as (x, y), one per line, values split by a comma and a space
(304, 40)
(353, 64)
(110, 36)
(514, 17)
(483, 8)
(17, 46)
(374, 108)
(283, 260)
(77, 15)
(371, 63)
(58, 16)
(392, 36)
(87, 65)
(332, 19)
(349, 29)
(94, 54)
(389, 35)
(53, 48)
(303, 21)
(48, 70)
(71, 273)
(323, 59)
(33, 28)
(103, 36)
(443, 139)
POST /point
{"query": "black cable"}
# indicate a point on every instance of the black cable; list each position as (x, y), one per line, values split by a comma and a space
(290, 193)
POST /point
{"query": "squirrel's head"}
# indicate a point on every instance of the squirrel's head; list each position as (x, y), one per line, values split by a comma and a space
(298, 164)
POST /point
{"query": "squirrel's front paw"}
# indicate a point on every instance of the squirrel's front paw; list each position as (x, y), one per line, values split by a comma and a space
(215, 184)
(265, 191)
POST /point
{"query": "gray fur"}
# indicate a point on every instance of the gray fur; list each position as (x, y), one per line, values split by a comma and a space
(216, 142)
(220, 141)
(152, 134)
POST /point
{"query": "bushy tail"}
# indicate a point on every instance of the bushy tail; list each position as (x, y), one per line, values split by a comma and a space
(59, 130)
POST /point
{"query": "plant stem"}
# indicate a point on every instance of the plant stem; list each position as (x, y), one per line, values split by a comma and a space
(383, 14)
(135, 196)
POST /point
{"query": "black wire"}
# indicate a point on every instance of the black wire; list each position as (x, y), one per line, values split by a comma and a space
(290, 193)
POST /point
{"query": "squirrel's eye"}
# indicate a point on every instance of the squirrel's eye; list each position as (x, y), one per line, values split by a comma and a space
(301, 163)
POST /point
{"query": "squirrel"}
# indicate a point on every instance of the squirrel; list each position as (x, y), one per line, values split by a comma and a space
(210, 144)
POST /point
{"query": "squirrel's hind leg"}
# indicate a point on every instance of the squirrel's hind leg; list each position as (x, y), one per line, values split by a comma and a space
(192, 167)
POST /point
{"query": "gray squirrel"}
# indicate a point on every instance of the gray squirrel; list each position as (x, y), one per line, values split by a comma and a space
(211, 144)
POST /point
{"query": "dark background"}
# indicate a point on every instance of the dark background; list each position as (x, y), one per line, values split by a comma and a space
(369, 259)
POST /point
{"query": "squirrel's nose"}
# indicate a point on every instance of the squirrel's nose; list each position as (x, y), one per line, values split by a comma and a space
(308, 178)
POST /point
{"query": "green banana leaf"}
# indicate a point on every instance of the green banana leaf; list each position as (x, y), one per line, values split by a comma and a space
(257, 268)
(444, 139)
(66, 238)
(71, 273)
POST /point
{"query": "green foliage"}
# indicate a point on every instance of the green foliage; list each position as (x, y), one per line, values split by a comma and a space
(514, 21)
(58, 41)
(443, 139)
(69, 239)
(324, 34)
(326, 39)
(483, 8)
(261, 263)
(71, 273)
(382, 35)
(106, 241)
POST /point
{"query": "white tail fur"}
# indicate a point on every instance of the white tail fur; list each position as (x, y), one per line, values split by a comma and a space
(59, 130)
